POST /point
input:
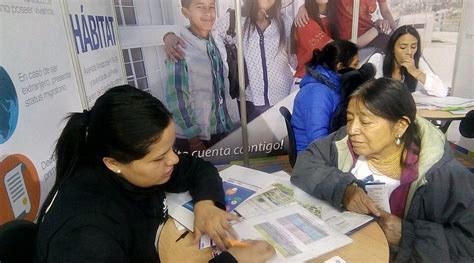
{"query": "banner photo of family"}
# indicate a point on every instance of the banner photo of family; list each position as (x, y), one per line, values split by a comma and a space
(192, 68)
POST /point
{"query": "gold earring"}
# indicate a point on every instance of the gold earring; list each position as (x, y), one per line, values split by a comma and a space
(119, 171)
(397, 141)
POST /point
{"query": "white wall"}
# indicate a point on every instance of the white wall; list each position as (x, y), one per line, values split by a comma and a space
(463, 70)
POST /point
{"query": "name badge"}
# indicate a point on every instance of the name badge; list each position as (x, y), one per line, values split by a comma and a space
(378, 192)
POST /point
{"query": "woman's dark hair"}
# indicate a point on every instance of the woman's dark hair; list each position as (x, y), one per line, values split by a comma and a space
(250, 10)
(391, 100)
(313, 12)
(334, 52)
(389, 59)
(122, 124)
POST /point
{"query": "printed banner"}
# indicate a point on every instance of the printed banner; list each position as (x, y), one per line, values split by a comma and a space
(93, 29)
(38, 87)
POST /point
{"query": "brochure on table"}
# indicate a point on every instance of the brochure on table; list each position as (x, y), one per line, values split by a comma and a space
(282, 193)
(296, 234)
(270, 192)
(239, 184)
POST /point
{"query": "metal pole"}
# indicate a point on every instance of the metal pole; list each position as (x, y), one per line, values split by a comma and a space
(355, 21)
(240, 61)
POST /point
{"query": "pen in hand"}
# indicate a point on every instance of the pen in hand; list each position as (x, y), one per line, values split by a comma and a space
(183, 235)
(237, 243)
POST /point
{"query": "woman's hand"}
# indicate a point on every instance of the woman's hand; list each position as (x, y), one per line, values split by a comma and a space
(356, 200)
(253, 251)
(174, 46)
(382, 26)
(391, 226)
(408, 62)
(302, 17)
(213, 221)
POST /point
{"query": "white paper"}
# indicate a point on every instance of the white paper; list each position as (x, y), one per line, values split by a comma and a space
(379, 193)
(295, 233)
(247, 177)
(178, 212)
(178, 225)
(426, 100)
(282, 193)
(244, 179)
(205, 242)
(271, 199)
(335, 259)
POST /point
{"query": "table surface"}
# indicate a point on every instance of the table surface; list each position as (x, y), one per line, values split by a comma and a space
(369, 245)
(440, 114)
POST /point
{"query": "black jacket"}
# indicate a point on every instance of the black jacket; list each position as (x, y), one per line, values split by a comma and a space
(99, 217)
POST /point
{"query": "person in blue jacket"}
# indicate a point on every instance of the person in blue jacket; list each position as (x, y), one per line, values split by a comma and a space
(320, 91)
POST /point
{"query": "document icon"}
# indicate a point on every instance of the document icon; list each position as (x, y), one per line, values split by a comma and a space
(17, 192)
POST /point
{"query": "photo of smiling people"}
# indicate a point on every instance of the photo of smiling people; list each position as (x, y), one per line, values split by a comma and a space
(266, 26)
(266, 30)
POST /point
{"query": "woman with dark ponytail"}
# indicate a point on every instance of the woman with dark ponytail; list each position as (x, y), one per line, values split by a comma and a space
(398, 167)
(114, 164)
(320, 92)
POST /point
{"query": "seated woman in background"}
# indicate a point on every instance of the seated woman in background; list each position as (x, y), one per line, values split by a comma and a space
(319, 93)
(401, 61)
(425, 200)
(114, 164)
(313, 35)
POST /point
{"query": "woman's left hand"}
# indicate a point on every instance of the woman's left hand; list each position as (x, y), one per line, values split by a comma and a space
(391, 226)
(213, 221)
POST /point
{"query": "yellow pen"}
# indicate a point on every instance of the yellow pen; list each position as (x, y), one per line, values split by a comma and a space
(237, 243)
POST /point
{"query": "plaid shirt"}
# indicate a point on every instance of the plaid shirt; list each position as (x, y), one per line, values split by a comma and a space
(178, 94)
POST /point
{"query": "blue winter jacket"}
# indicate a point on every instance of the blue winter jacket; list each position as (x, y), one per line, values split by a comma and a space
(316, 101)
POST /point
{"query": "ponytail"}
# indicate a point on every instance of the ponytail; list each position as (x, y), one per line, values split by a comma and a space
(317, 59)
(71, 144)
(342, 51)
(70, 147)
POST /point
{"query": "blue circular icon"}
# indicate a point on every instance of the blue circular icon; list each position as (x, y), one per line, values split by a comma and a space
(8, 106)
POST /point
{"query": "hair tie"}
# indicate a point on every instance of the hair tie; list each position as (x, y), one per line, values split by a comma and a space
(85, 119)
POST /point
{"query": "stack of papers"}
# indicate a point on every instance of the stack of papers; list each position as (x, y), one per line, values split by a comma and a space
(426, 101)
(299, 226)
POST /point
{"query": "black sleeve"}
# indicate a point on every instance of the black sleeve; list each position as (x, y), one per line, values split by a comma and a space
(85, 244)
(198, 177)
(224, 257)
